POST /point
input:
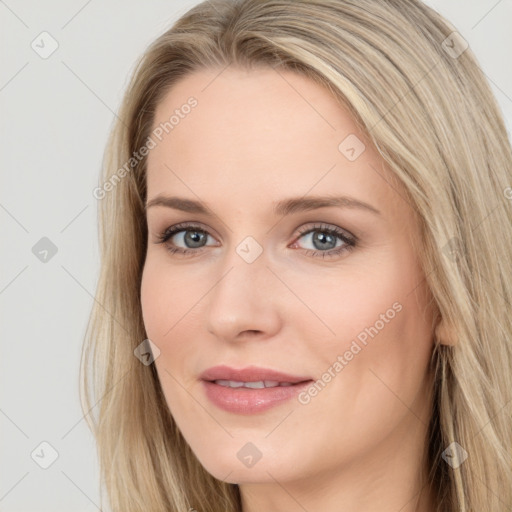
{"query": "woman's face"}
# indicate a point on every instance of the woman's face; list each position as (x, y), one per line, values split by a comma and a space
(282, 281)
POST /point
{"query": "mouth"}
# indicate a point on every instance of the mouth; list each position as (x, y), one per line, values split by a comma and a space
(259, 384)
(250, 390)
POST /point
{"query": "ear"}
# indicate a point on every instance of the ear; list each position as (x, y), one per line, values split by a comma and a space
(444, 334)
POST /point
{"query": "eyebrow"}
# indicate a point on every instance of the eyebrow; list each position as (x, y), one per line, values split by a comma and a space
(280, 208)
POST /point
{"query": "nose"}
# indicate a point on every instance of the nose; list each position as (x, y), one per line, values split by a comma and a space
(244, 302)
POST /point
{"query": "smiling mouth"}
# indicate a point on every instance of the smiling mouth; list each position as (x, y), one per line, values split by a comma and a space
(252, 389)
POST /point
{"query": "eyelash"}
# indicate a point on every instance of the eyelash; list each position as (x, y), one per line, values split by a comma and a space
(350, 241)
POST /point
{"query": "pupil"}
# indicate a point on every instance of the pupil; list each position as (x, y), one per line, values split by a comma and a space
(323, 238)
(193, 237)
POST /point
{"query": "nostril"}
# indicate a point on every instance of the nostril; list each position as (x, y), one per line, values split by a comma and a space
(251, 332)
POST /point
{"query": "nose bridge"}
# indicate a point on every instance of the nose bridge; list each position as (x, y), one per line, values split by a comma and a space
(241, 298)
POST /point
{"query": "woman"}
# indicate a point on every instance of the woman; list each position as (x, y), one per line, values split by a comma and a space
(242, 364)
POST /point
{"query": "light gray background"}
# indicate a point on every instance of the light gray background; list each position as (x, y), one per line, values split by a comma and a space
(55, 117)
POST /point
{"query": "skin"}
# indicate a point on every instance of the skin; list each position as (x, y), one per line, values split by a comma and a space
(254, 138)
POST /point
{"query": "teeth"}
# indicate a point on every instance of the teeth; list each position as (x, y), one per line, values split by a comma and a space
(255, 385)
(252, 385)
(230, 383)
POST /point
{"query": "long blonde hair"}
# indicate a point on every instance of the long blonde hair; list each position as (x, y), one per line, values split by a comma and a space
(430, 113)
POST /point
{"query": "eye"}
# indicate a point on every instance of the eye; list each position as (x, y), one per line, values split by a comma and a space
(191, 235)
(324, 240)
(327, 241)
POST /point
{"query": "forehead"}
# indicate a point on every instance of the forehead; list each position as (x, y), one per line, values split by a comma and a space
(260, 134)
(261, 111)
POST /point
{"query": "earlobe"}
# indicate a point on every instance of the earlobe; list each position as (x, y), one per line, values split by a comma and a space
(444, 334)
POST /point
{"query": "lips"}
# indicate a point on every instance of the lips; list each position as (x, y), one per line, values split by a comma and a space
(250, 390)
(250, 374)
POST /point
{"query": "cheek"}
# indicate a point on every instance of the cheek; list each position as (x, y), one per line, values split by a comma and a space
(372, 379)
(381, 350)
(166, 296)
(171, 309)
(164, 305)
(153, 303)
(381, 331)
(360, 298)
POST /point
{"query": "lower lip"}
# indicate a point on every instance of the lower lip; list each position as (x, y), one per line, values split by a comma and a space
(250, 401)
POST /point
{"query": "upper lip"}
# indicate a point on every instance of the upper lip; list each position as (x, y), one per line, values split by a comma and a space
(249, 374)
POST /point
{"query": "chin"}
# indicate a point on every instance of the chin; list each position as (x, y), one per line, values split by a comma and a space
(244, 463)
